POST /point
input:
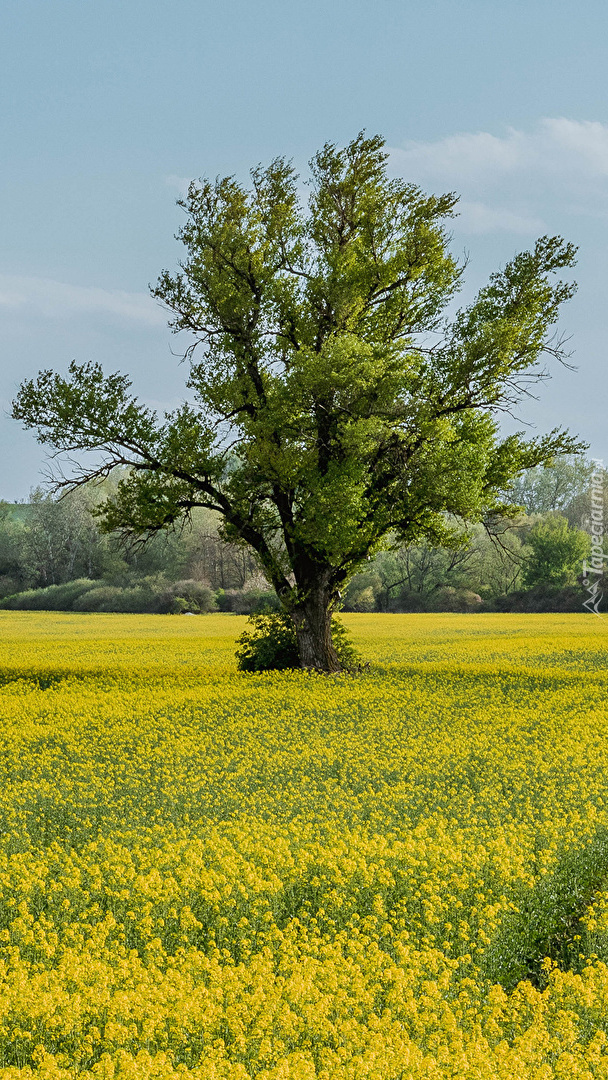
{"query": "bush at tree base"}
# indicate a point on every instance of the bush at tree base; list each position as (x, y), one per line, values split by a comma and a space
(270, 644)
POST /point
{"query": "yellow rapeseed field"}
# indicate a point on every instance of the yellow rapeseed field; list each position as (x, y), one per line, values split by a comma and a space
(211, 875)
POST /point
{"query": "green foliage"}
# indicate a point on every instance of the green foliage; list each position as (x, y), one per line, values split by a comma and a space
(152, 595)
(362, 592)
(53, 598)
(541, 598)
(12, 571)
(55, 541)
(61, 541)
(102, 598)
(248, 601)
(348, 655)
(557, 551)
(197, 597)
(450, 599)
(270, 644)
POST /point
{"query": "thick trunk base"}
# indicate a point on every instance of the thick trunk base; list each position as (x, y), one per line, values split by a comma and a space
(313, 632)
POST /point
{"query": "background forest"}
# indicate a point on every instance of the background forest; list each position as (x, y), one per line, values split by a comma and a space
(54, 556)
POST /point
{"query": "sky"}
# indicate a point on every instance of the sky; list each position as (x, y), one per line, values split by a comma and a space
(108, 107)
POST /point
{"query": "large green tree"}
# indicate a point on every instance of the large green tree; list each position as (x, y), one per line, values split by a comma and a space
(332, 404)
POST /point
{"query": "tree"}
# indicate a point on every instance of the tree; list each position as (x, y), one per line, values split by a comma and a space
(61, 539)
(557, 551)
(578, 510)
(542, 490)
(332, 405)
(415, 578)
(12, 571)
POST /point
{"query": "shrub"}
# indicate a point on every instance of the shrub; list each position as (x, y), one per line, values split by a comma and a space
(188, 595)
(363, 600)
(543, 598)
(181, 607)
(271, 644)
(102, 598)
(151, 595)
(447, 598)
(407, 600)
(53, 598)
(248, 601)
(347, 653)
(444, 598)
(139, 599)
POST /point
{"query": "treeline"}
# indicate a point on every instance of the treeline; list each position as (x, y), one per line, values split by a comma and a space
(532, 562)
(54, 556)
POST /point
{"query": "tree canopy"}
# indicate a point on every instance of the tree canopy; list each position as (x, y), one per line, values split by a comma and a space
(557, 551)
(333, 406)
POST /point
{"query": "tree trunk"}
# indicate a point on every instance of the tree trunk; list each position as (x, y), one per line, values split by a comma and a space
(313, 631)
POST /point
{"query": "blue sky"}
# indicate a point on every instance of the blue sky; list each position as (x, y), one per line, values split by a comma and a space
(108, 107)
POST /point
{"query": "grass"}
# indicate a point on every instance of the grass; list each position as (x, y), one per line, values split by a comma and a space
(208, 874)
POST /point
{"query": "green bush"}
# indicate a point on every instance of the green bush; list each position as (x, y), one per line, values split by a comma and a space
(53, 598)
(189, 595)
(150, 595)
(102, 598)
(542, 598)
(271, 645)
(447, 598)
(248, 601)
(139, 599)
(181, 607)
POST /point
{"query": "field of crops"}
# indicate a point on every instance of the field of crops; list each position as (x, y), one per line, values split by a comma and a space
(214, 875)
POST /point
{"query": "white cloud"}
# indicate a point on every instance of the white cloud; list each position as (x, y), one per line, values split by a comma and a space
(459, 157)
(507, 181)
(476, 217)
(58, 300)
(573, 148)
